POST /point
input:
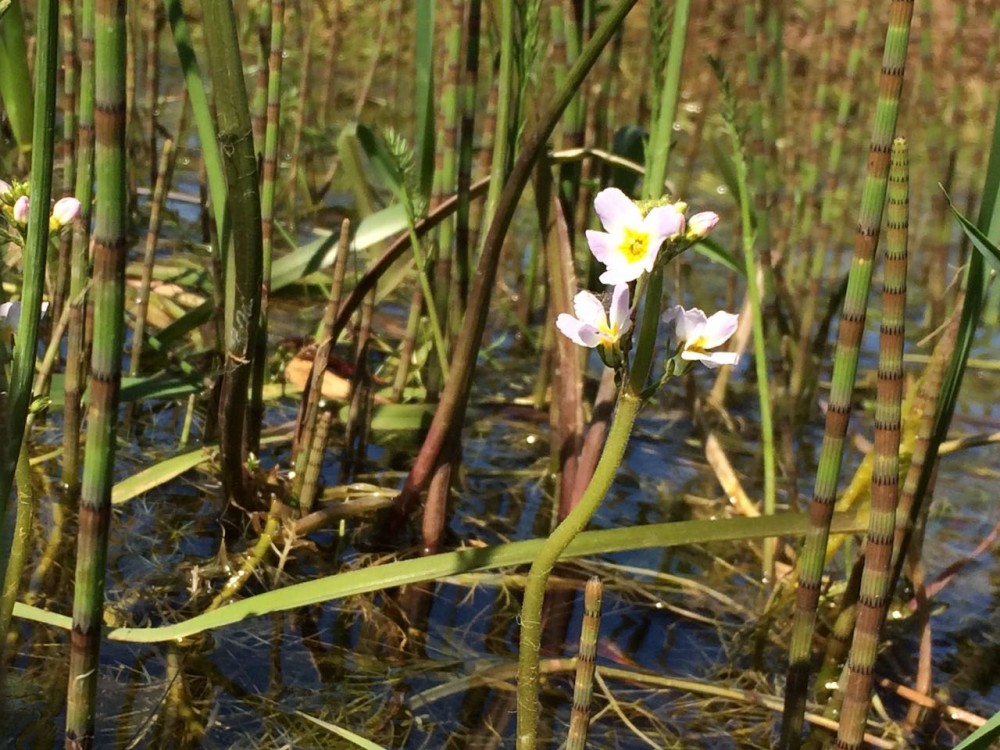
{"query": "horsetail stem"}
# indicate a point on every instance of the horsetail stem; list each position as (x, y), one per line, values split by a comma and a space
(844, 371)
(583, 687)
(110, 250)
(873, 600)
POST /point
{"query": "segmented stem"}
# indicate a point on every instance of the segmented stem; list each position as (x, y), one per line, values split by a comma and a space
(110, 250)
(844, 371)
(874, 595)
(586, 661)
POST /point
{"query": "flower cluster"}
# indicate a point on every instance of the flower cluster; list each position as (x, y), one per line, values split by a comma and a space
(632, 243)
(15, 205)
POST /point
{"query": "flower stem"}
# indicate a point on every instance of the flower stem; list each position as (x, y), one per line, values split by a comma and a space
(534, 591)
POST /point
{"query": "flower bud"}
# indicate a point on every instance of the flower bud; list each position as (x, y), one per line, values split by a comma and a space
(21, 207)
(702, 223)
(5, 189)
(65, 210)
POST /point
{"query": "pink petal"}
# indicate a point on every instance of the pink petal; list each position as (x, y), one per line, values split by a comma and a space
(579, 333)
(601, 244)
(663, 222)
(702, 223)
(21, 209)
(719, 328)
(65, 210)
(620, 305)
(616, 211)
(589, 309)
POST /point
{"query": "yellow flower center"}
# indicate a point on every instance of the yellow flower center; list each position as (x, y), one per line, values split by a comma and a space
(634, 245)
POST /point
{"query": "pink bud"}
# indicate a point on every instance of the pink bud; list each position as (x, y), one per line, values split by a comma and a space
(21, 206)
(702, 223)
(64, 212)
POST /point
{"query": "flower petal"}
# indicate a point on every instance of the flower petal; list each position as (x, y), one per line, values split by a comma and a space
(579, 333)
(719, 328)
(622, 273)
(10, 314)
(616, 211)
(620, 307)
(602, 245)
(663, 222)
(710, 359)
(589, 309)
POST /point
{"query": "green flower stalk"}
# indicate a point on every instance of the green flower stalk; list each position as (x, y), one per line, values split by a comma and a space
(636, 241)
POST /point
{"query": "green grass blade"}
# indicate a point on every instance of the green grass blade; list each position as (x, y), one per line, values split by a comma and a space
(381, 577)
(982, 738)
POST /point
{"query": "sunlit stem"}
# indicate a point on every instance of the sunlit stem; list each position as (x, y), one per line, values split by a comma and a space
(534, 591)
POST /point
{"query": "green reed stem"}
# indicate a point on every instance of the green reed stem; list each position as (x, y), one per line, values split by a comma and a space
(874, 594)
(203, 120)
(76, 340)
(755, 272)
(757, 240)
(438, 286)
(974, 283)
(243, 263)
(470, 78)
(450, 412)
(803, 363)
(910, 506)
(67, 35)
(35, 254)
(579, 720)
(19, 553)
(504, 118)
(565, 532)
(149, 254)
(844, 371)
(15, 83)
(657, 160)
(270, 169)
(110, 250)
(311, 405)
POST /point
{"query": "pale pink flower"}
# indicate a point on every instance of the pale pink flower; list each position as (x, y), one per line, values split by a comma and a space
(63, 212)
(21, 208)
(591, 326)
(630, 242)
(702, 223)
(696, 334)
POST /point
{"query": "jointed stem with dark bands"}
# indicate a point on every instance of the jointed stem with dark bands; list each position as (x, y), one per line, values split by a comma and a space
(845, 368)
(874, 593)
(110, 237)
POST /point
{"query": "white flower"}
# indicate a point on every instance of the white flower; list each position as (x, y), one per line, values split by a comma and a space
(696, 334)
(591, 325)
(631, 241)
